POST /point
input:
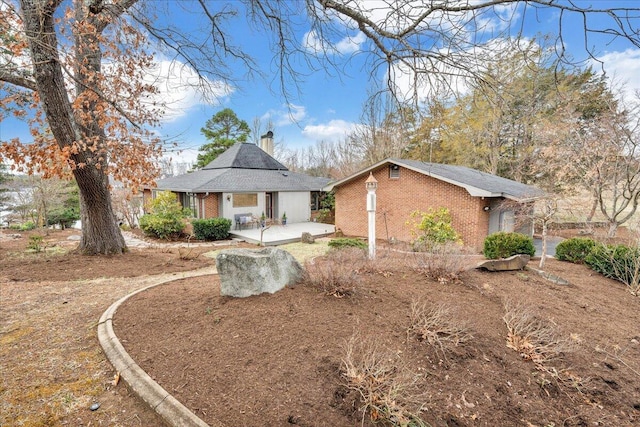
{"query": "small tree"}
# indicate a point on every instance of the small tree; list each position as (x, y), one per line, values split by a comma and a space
(434, 228)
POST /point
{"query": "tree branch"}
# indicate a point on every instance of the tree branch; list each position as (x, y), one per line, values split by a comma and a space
(17, 80)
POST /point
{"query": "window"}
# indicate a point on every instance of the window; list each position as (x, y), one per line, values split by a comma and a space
(190, 201)
(315, 200)
(394, 171)
(245, 200)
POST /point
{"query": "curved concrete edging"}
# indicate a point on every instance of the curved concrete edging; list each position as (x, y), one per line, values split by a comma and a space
(174, 413)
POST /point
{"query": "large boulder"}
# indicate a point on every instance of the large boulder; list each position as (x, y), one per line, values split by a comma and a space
(246, 272)
(515, 262)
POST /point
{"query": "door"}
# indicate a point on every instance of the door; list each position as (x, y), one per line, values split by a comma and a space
(268, 205)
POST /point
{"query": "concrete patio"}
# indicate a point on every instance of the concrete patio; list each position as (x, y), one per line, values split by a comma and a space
(281, 234)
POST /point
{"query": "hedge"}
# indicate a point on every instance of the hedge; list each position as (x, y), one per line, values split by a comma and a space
(618, 262)
(504, 245)
(346, 242)
(211, 229)
(575, 250)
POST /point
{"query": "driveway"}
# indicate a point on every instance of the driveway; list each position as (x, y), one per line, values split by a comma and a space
(552, 242)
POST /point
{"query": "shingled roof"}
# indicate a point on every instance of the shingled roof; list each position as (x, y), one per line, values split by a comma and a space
(245, 156)
(244, 167)
(477, 183)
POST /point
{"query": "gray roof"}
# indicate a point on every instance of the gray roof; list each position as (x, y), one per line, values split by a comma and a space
(242, 168)
(241, 180)
(244, 155)
(477, 183)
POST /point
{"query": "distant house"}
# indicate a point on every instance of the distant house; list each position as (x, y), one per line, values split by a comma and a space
(474, 199)
(243, 180)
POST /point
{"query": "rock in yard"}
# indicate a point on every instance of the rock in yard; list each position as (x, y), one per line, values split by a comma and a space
(246, 272)
(515, 262)
(307, 238)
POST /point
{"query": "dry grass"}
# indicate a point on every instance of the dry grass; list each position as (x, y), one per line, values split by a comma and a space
(337, 274)
(388, 391)
(532, 337)
(340, 271)
(51, 366)
(436, 326)
(443, 263)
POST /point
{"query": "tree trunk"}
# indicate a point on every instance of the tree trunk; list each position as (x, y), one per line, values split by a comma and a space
(100, 233)
(613, 228)
(543, 256)
(592, 211)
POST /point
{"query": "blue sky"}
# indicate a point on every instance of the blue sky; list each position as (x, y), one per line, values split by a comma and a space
(328, 106)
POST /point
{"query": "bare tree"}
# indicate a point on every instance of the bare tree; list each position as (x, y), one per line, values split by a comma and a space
(599, 154)
(617, 176)
(440, 44)
(127, 206)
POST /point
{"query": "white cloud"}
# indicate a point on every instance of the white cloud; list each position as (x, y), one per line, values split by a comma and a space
(349, 44)
(623, 67)
(180, 89)
(288, 115)
(334, 130)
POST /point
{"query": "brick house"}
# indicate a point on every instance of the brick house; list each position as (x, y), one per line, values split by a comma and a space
(243, 180)
(475, 200)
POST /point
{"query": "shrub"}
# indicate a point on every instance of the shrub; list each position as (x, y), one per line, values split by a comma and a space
(533, 337)
(26, 226)
(336, 274)
(36, 243)
(161, 227)
(346, 242)
(436, 326)
(443, 263)
(166, 218)
(619, 262)
(574, 250)
(504, 245)
(388, 391)
(211, 229)
(433, 229)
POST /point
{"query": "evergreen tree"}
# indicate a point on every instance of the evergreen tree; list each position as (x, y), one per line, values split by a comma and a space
(222, 131)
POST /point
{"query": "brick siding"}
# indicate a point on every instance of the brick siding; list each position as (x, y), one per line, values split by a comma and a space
(397, 198)
(210, 204)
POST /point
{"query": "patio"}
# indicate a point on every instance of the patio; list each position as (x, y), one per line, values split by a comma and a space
(280, 234)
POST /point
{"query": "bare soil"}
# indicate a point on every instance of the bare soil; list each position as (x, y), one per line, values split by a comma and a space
(278, 359)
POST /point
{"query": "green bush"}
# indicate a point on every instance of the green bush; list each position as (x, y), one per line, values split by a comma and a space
(504, 245)
(211, 229)
(618, 262)
(36, 243)
(574, 250)
(346, 242)
(166, 218)
(434, 229)
(25, 226)
(161, 227)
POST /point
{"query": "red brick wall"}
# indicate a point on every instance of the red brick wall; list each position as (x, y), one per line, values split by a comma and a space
(211, 205)
(397, 198)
